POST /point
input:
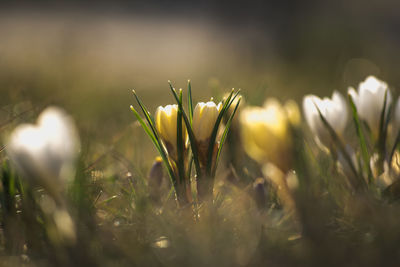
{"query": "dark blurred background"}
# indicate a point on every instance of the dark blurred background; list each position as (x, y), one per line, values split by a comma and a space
(87, 55)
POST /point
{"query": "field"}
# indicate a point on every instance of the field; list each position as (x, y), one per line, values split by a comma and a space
(277, 182)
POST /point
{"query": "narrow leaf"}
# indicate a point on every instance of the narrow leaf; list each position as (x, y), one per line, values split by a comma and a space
(361, 138)
(144, 126)
(192, 138)
(342, 148)
(154, 138)
(190, 102)
(146, 114)
(223, 138)
(214, 133)
(383, 124)
(179, 142)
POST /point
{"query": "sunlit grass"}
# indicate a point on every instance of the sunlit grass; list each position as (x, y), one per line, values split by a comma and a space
(279, 197)
(313, 211)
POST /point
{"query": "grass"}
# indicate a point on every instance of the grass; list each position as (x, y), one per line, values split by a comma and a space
(118, 223)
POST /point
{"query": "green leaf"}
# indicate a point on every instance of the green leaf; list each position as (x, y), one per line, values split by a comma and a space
(147, 115)
(214, 133)
(383, 124)
(144, 126)
(192, 138)
(360, 181)
(190, 102)
(382, 117)
(223, 138)
(180, 143)
(154, 137)
(361, 139)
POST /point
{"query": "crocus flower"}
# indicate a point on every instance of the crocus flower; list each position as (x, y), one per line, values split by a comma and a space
(333, 109)
(46, 152)
(166, 124)
(390, 172)
(369, 101)
(266, 133)
(204, 117)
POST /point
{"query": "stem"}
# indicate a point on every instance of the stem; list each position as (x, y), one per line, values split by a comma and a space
(204, 188)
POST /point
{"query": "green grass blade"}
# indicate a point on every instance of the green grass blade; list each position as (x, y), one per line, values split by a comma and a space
(361, 139)
(151, 123)
(144, 126)
(157, 143)
(214, 133)
(340, 145)
(180, 142)
(382, 117)
(383, 124)
(190, 102)
(147, 115)
(192, 138)
(223, 138)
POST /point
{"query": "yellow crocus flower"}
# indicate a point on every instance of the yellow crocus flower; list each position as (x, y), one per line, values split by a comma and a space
(266, 132)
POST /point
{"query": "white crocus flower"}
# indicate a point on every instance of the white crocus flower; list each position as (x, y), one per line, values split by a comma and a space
(45, 153)
(204, 118)
(369, 101)
(333, 109)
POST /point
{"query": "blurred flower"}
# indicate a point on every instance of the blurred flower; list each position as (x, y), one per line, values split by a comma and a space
(292, 180)
(292, 111)
(162, 242)
(234, 103)
(204, 117)
(266, 133)
(46, 152)
(369, 101)
(390, 172)
(235, 121)
(260, 193)
(335, 112)
(155, 180)
(156, 173)
(281, 181)
(65, 226)
(166, 124)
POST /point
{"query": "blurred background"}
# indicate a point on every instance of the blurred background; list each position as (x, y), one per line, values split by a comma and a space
(86, 56)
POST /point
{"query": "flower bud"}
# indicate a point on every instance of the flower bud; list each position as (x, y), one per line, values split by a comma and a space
(260, 193)
(204, 117)
(335, 112)
(155, 180)
(369, 101)
(279, 180)
(390, 173)
(166, 124)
